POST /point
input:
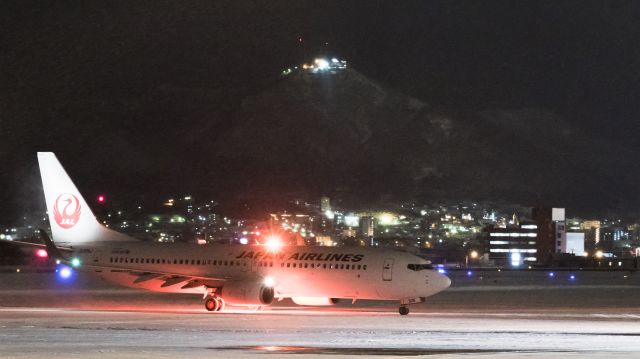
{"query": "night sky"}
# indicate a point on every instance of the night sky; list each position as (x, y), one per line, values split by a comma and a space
(128, 94)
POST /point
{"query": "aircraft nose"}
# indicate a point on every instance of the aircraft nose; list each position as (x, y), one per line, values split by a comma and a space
(442, 282)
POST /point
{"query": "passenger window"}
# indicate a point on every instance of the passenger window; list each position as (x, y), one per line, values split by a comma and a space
(288, 265)
(294, 265)
(324, 265)
(364, 267)
(305, 265)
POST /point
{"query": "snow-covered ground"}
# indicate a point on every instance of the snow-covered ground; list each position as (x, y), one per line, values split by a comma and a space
(500, 315)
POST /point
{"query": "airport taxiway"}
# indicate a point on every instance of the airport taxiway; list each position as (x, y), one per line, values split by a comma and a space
(505, 321)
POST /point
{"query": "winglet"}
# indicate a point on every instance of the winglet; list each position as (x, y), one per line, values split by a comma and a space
(53, 251)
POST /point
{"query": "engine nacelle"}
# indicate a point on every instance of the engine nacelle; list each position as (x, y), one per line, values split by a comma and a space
(247, 293)
(315, 301)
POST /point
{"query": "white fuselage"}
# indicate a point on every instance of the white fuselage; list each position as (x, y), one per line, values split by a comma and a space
(296, 271)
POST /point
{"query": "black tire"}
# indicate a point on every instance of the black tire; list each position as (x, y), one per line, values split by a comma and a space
(211, 304)
(403, 310)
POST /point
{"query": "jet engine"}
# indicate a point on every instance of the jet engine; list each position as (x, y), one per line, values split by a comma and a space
(247, 293)
(315, 301)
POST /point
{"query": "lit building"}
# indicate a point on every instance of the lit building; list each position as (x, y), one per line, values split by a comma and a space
(592, 229)
(574, 243)
(325, 204)
(512, 246)
(367, 226)
(551, 232)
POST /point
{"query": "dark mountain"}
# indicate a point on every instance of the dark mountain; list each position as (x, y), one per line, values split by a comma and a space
(346, 135)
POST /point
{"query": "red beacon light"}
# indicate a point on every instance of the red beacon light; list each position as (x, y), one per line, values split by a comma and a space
(101, 198)
(41, 253)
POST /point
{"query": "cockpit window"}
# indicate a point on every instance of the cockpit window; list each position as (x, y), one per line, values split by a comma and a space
(418, 267)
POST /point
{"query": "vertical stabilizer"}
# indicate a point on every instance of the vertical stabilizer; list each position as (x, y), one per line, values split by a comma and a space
(70, 217)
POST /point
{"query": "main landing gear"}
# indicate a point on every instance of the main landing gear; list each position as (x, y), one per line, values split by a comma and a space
(214, 304)
(403, 310)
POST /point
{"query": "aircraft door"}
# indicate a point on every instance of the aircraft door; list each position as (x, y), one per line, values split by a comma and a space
(387, 269)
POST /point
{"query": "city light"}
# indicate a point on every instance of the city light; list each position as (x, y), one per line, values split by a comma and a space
(599, 254)
(322, 64)
(516, 259)
(473, 254)
(387, 219)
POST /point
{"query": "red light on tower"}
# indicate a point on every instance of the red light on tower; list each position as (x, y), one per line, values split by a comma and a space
(101, 198)
(41, 253)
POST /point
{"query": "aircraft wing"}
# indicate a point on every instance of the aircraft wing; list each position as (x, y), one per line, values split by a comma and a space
(169, 278)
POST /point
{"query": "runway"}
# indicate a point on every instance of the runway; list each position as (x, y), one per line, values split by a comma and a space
(38, 320)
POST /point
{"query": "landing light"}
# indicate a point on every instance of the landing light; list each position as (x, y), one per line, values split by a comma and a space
(469, 273)
(269, 281)
(442, 271)
(273, 243)
(572, 277)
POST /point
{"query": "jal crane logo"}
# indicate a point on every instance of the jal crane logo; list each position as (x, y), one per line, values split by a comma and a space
(66, 210)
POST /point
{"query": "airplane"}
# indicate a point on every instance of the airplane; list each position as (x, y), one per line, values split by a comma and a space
(239, 275)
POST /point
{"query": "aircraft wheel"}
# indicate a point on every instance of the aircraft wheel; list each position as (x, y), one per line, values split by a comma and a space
(212, 304)
(403, 310)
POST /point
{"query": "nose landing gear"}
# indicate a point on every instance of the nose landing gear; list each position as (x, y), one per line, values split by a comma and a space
(214, 304)
(404, 309)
